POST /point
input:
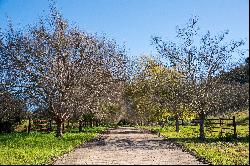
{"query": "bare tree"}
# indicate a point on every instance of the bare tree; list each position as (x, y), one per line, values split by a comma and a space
(60, 67)
(200, 60)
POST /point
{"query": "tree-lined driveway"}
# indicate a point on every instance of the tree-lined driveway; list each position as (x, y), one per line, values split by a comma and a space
(128, 146)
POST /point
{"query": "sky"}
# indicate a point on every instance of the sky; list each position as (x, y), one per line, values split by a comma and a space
(134, 22)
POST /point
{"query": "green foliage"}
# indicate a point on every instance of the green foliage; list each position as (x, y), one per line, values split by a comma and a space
(23, 126)
(241, 116)
(110, 112)
(239, 74)
(38, 148)
(157, 92)
(123, 122)
(88, 117)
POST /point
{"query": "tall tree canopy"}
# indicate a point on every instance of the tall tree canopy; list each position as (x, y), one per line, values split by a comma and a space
(200, 60)
(60, 67)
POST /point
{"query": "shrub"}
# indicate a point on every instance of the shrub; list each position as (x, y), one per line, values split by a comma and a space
(12, 111)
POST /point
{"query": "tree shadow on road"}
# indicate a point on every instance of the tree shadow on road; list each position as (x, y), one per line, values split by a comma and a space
(118, 141)
(131, 143)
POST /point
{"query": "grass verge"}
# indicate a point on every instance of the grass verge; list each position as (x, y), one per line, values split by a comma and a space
(40, 148)
(216, 149)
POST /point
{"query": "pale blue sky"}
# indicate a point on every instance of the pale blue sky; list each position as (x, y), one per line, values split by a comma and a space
(133, 22)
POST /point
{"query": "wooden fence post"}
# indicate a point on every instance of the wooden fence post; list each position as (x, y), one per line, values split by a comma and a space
(29, 125)
(220, 121)
(234, 125)
(50, 125)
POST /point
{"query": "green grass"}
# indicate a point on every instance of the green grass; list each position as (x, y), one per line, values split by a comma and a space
(217, 149)
(40, 148)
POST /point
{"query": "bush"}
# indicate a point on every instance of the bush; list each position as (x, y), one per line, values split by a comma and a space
(12, 111)
(123, 122)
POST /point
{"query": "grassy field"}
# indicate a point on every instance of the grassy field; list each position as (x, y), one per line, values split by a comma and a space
(40, 148)
(217, 149)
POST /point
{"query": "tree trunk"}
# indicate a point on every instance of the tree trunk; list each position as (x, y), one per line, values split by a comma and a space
(91, 123)
(67, 125)
(63, 128)
(59, 130)
(177, 125)
(202, 131)
(80, 126)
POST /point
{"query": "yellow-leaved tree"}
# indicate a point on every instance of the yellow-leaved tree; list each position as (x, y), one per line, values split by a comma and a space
(157, 92)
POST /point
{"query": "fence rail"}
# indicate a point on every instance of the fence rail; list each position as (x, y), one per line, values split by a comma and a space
(220, 121)
(44, 125)
(39, 125)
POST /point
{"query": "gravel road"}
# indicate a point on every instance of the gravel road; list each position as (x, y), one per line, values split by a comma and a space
(128, 146)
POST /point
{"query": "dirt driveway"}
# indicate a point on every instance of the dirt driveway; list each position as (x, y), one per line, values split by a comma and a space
(128, 146)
